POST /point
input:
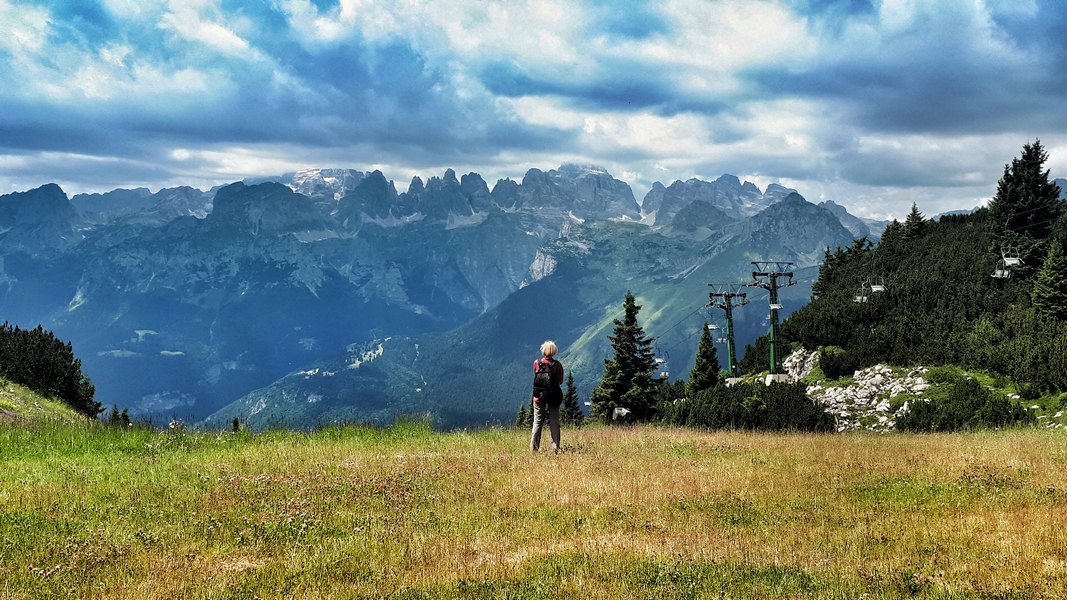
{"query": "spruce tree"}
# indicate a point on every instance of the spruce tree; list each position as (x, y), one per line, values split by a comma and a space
(627, 380)
(705, 373)
(520, 419)
(915, 224)
(1049, 293)
(1027, 202)
(570, 411)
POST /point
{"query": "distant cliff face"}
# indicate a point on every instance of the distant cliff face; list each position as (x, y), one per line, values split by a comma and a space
(181, 301)
(39, 220)
(685, 205)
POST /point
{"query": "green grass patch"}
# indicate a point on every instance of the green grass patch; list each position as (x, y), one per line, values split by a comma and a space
(624, 512)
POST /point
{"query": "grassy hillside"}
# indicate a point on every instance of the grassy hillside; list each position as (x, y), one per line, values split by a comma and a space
(22, 406)
(627, 512)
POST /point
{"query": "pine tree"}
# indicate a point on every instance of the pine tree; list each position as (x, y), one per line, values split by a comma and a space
(570, 411)
(705, 373)
(1049, 293)
(1027, 202)
(627, 380)
(915, 224)
(521, 418)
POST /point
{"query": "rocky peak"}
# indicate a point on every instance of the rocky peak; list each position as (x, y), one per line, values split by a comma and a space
(447, 198)
(869, 228)
(416, 186)
(44, 202)
(725, 194)
(506, 193)
(798, 229)
(374, 196)
(37, 219)
(587, 191)
(265, 208)
(101, 208)
(323, 184)
(477, 192)
(776, 192)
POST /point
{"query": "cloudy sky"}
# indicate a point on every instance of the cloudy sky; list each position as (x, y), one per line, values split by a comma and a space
(871, 103)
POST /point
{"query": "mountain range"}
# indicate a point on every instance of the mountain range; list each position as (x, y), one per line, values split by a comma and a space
(325, 294)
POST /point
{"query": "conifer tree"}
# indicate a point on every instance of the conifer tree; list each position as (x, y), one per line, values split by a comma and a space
(705, 373)
(1027, 201)
(570, 411)
(892, 233)
(521, 418)
(915, 224)
(627, 380)
(1049, 293)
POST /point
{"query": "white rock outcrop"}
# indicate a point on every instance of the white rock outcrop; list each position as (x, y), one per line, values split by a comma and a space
(865, 403)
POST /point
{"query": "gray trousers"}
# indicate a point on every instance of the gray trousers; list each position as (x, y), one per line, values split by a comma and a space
(539, 413)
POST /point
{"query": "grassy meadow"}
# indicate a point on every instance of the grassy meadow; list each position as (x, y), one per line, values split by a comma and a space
(87, 511)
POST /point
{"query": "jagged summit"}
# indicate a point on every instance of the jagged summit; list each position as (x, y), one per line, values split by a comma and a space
(870, 228)
(727, 195)
(578, 169)
(264, 208)
(41, 217)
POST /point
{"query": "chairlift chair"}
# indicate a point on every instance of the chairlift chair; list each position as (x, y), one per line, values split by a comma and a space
(861, 298)
(1011, 257)
(1002, 271)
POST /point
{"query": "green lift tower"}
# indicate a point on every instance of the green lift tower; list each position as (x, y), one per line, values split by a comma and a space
(766, 276)
(724, 295)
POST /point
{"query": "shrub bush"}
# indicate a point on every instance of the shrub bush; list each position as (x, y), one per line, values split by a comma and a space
(1029, 391)
(837, 363)
(968, 406)
(778, 407)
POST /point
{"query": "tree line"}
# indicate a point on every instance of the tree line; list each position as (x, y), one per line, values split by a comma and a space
(986, 290)
(39, 360)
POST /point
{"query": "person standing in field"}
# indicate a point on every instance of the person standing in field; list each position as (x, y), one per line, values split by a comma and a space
(547, 395)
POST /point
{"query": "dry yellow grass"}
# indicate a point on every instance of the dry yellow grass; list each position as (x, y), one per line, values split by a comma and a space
(641, 512)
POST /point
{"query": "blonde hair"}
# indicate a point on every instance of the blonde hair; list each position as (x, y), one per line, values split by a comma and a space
(549, 348)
